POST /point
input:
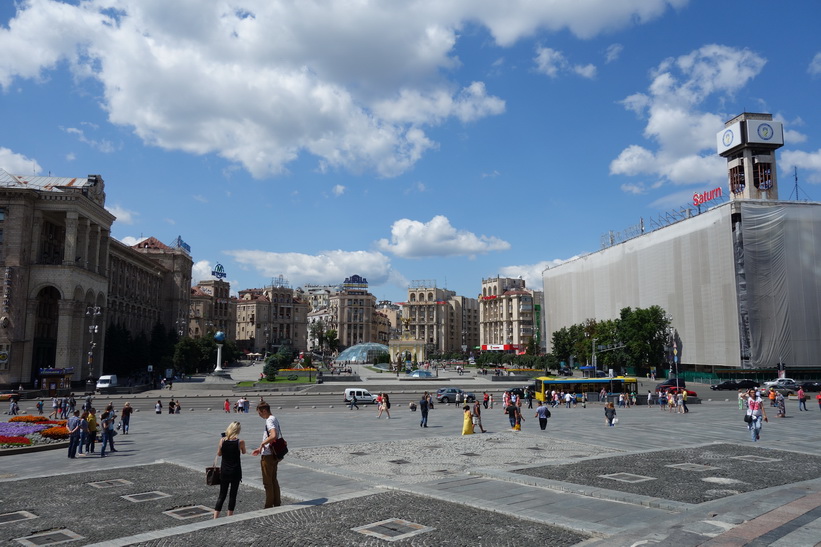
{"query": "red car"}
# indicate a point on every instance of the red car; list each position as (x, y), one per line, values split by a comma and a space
(673, 390)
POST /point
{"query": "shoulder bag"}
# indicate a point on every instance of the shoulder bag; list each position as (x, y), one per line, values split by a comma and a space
(212, 474)
(279, 448)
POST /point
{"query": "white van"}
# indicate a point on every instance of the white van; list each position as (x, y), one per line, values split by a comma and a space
(107, 381)
(362, 395)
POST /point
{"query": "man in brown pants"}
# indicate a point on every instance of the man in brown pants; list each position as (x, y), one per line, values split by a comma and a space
(269, 461)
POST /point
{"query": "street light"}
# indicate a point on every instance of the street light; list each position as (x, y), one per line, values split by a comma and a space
(92, 312)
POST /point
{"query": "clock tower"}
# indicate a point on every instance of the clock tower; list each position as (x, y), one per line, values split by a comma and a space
(749, 141)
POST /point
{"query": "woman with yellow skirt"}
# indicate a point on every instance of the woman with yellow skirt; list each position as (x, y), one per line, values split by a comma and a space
(467, 424)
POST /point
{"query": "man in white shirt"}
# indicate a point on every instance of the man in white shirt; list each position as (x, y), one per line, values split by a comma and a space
(268, 461)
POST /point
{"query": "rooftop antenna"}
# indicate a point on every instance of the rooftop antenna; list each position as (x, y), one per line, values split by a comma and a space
(795, 189)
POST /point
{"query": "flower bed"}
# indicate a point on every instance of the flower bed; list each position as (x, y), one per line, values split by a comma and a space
(31, 430)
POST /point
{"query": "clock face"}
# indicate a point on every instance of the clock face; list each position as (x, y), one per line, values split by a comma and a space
(727, 138)
(765, 131)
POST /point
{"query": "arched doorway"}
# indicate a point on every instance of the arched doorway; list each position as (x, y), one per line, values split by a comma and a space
(44, 347)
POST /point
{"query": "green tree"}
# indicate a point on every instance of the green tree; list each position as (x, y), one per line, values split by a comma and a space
(332, 340)
(644, 334)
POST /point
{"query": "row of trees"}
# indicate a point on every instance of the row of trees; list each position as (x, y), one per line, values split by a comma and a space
(128, 355)
(637, 338)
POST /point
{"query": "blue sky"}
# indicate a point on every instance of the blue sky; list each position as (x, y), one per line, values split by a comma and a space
(427, 140)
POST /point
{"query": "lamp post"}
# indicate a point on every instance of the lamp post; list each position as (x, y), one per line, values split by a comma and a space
(595, 368)
(93, 313)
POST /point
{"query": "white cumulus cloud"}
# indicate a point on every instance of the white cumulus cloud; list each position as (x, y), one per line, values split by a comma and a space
(355, 85)
(815, 65)
(328, 267)
(553, 63)
(123, 215)
(17, 164)
(415, 239)
(683, 136)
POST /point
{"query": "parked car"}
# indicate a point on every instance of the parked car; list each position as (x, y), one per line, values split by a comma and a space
(671, 382)
(747, 384)
(448, 394)
(421, 374)
(810, 386)
(726, 384)
(362, 395)
(781, 382)
(7, 395)
(565, 372)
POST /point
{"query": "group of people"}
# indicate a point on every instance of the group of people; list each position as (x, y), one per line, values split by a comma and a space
(383, 403)
(84, 427)
(670, 400)
(472, 417)
(174, 407)
(230, 450)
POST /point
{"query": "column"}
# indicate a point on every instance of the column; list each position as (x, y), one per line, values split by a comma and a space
(36, 230)
(83, 235)
(67, 335)
(70, 246)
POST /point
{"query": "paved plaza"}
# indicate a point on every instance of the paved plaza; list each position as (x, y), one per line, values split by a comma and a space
(353, 479)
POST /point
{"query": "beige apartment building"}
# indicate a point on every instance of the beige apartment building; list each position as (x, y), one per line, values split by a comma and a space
(509, 316)
(445, 321)
(270, 317)
(352, 310)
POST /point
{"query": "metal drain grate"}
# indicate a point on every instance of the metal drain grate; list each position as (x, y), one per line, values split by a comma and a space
(628, 477)
(535, 448)
(359, 453)
(53, 537)
(691, 466)
(392, 529)
(399, 462)
(110, 483)
(16, 516)
(146, 496)
(471, 454)
(190, 512)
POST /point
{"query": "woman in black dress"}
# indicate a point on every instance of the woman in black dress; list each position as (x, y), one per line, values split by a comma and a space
(230, 448)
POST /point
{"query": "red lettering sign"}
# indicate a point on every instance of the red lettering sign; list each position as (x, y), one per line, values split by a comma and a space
(704, 197)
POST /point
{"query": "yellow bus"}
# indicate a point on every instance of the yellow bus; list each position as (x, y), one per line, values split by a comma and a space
(591, 387)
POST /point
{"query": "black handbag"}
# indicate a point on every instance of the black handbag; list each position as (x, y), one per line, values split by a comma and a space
(279, 448)
(212, 474)
(748, 418)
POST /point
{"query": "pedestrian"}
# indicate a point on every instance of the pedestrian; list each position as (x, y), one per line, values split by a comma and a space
(755, 414)
(83, 432)
(490, 398)
(229, 449)
(384, 405)
(227, 406)
(54, 407)
(177, 407)
(87, 406)
(268, 461)
(485, 399)
(512, 410)
(467, 420)
(423, 409)
(107, 426)
(781, 405)
(352, 402)
(73, 426)
(91, 439)
(171, 405)
(477, 416)
(543, 413)
(649, 399)
(40, 407)
(684, 400)
(125, 415)
(802, 399)
(610, 414)
(818, 398)
(158, 407)
(529, 397)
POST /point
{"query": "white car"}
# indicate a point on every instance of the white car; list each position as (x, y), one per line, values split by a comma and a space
(780, 382)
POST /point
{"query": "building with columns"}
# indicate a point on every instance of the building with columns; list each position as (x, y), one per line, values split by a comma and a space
(59, 294)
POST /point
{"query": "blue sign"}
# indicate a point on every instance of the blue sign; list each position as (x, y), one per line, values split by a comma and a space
(219, 271)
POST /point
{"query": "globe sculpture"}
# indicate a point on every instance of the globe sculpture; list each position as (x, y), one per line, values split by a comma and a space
(219, 338)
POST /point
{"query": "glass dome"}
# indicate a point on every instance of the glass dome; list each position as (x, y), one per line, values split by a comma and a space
(362, 353)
